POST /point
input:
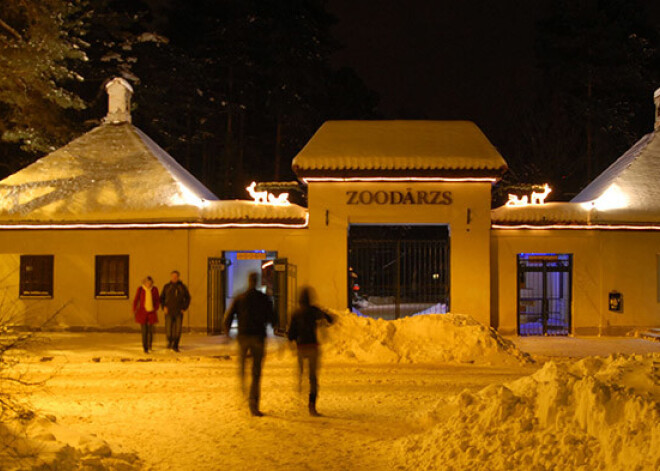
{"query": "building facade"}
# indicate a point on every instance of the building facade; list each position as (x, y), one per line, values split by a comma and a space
(398, 223)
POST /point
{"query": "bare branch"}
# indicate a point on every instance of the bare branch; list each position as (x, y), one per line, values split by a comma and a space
(10, 30)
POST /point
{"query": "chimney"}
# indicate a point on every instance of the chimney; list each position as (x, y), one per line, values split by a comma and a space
(656, 99)
(119, 101)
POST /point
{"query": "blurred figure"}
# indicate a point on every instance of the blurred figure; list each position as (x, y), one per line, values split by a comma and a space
(145, 308)
(254, 310)
(175, 300)
(303, 331)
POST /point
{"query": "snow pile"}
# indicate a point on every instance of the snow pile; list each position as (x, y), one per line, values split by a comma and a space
(598, 413)
(425, 338)
(41, 444)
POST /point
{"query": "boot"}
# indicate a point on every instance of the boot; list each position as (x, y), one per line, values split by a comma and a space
(254, 409)
(312, 405)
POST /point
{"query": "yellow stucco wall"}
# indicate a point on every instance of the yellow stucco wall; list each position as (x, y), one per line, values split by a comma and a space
(625, 261)
(330, 217)
(152, 252)
(603, 261)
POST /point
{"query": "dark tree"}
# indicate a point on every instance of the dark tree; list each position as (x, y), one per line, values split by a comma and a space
(600, 61)
(231, 88)
(40, 44)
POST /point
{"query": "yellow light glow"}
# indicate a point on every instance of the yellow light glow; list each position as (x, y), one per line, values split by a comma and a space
(612, 198)
(263, 197)
(187, 197)
(160, 225)
(400, 179)
(611, 227)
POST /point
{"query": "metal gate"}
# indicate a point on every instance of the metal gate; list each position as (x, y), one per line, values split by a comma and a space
(285, 293)
(215, 292)
(398, 271)
(544, 294)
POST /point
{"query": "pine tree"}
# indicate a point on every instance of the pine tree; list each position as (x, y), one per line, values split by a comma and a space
(40, 40)
(601, 62)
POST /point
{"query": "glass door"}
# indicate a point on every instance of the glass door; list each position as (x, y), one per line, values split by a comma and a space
(544, 294)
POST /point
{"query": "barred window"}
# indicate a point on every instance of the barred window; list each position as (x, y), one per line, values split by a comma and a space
(111, 276)
(36, 276)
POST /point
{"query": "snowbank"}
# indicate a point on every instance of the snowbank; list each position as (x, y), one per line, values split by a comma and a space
(446, 338)
(598, 413)
(42, 444)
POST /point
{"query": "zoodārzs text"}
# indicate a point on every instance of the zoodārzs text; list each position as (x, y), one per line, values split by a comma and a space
(382, 197)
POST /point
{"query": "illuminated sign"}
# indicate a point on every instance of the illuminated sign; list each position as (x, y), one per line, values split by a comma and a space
(543, 258)
(537, 198)
(251, 256)
(382, 197)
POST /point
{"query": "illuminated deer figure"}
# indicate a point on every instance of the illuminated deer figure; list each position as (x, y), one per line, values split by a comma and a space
(539, 198)
(260, 197)
(515, 200)
(282, 199)
(263, 197)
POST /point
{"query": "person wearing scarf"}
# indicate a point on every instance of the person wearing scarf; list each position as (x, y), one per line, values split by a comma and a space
(145, 308)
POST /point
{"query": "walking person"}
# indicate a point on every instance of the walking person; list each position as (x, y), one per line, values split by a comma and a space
(175, 300)
(145, 308)
(302, 330)
(254, 311)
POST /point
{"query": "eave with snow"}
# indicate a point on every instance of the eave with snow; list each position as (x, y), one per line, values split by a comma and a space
(399, 151)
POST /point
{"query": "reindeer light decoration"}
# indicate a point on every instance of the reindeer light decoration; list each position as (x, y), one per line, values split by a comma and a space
(537, 198)
(263, 197)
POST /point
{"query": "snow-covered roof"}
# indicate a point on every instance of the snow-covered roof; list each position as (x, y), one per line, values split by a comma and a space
(626, 193)
(572, 214)
(410, 148)
(548, 213)
(249, 211)
(631, 183)
(113, 172)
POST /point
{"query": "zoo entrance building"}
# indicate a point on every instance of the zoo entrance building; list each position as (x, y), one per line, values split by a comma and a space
(398, 223)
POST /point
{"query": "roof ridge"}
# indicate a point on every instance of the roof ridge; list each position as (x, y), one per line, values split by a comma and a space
(171, 164)
(612, 173)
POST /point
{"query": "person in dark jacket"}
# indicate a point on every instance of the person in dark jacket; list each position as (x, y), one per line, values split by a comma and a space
(302, 330)
(174, 300)
(254, 310)
(145, 308)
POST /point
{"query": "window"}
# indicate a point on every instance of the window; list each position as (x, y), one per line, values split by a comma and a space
(111, 276)
(36, 277)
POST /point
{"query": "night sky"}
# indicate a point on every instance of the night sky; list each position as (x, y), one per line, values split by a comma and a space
(439, 60)
(429, 59)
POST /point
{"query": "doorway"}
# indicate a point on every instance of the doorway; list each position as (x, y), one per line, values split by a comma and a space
(227, 278)
(398, 270)
(544, 294)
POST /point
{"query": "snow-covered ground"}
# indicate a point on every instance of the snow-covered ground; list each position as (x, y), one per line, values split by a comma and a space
(579, 347)
(184, 412)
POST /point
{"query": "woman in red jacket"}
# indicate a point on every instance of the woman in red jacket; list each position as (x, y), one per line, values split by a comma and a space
(145, 308)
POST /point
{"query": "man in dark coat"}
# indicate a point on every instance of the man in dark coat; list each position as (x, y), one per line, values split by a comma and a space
(254, 310)
(303, 331)
(175, 299)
